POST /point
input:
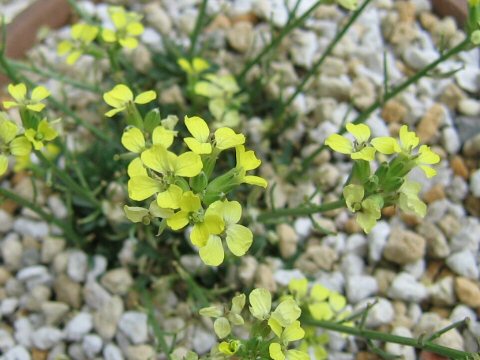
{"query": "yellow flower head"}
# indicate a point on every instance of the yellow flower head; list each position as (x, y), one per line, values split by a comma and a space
(82, 36)
(134, 140)
(359, 149)
(368, 210)
(195, 67)
(44, 132)
(121, 96)
(238, 237)
(127, 28)
(246, 160)
(19, 93)
(10, 143)
(229, 348)
(408, 198)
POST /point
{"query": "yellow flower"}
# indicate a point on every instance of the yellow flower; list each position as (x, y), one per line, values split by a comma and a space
(225, 138)
(286, 312)
(127, 28)
(195, 67)
(44, 132)
(121, 96)
(19, 93)
(229, 348)
(134, 140)
(368, 210)
(238, 237)
(10, 144)
(426, 157)
(138, 214)
(222, 324)
(205, 223)
(277, 353)
(82, 36)
(260, 303)
(408, 198)
(359, 149)
(246, 160)
(217, 86)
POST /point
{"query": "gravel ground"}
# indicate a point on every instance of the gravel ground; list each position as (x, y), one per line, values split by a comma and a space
(424, 272)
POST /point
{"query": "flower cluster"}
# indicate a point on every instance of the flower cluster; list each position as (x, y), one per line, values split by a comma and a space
(36, 131)
(124, 32)
(366, 193)
(273, 330)
(183, 187)
(220, 90)
(321, 304)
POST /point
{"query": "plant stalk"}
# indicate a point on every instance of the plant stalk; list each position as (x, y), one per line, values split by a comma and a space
(300, 211)
(376, 335)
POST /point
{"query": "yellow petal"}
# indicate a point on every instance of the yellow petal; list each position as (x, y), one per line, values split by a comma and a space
(275, 326)
(408, 139)
(199, 235)
(3, 164)
(36, 107)
(275, 351)
(226, 138)
(114, 111)
(293, 332)
(246, 159)
(178, 220)
(299, 287)
(136, 168)
(386, 145)
(109, 36)
(339, 144)
(40, 93)
(185, 65)
(18, 92)
(199, 65)
(133, 140)
(118, 96)
(119, 18)
(211, 311)
(134, 213)
(321, 311)
(429, 172)
(145, 97)
(319, 293)
(260, 303)
(170, 199)
(212, 253)
(162, 136)
(188, 164)
(367, 154)
(198, 147)
(20, 146)
(287, 312)
(222, 327)
(8, 131)
(231, 211)
(255, 180)
(190, 202)
(198, 128)
(337, 301)
(9, 104)
(135, 29)
(360, 132)
(159, 159)
(239, 239)
(64, 47)
(142, 187)
(128, 42)
(73, 57)
(427, 156)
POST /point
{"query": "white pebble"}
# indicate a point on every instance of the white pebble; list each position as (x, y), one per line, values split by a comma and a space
(112, 352)
(377, 239)
(360, 287)
(77, 265)
(380, 314)
(47, 337)
(406, 287)
(475, 183)
(79, 326)
(134, 326)
(17, 353)
(463, 263)
(92, 345)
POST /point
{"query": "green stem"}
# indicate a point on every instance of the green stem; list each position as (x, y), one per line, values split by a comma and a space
(394, 92)
(331, 46)
(198, 28)
(278, 39)
(377, 335)
(68, 181)
(68, 232)
(300, 211)
(17, 65)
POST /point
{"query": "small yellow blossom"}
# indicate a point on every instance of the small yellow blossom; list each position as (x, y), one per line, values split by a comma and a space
(44, 132)
(246, 160)
(10, 143)
(121, 96)
(127, 28)
(359, 149)
(134, 140)
(368, 210)
(229, 348)
(19, 93)
(195, 67)
(82, 36)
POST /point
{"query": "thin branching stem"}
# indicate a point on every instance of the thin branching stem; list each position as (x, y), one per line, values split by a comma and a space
(197, 29)
(275, 42)
(328, 51)
(391, 94)
(385, 337)
(273, 215)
